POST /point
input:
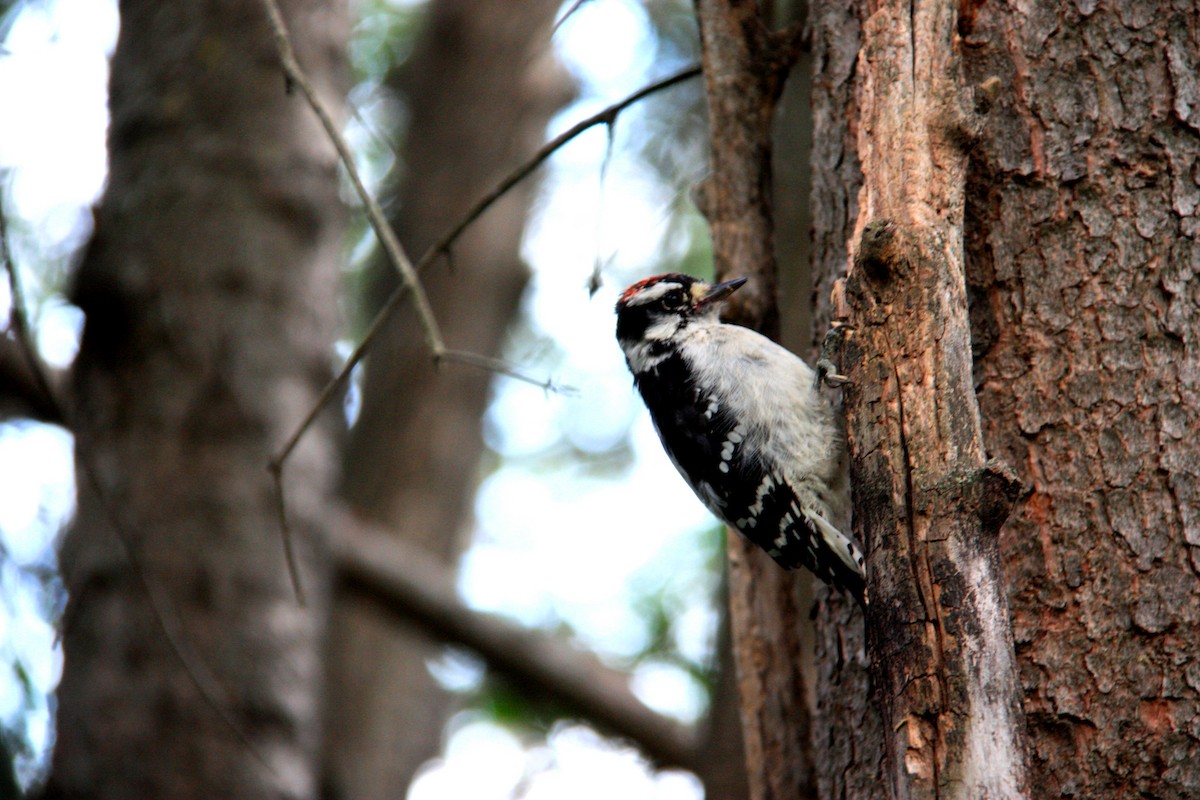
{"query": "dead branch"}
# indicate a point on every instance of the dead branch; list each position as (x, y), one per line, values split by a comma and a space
(396, 255)
(407, 583)
(442, 246)
(930, 501)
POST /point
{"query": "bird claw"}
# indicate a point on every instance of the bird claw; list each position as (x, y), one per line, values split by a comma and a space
(827, 373)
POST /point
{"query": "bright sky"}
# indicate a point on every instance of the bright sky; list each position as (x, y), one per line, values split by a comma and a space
(552, 545)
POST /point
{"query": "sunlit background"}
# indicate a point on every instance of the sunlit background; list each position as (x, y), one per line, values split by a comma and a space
(630, 579)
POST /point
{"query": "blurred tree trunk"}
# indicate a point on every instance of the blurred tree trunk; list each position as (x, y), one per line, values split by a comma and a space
(1079, 228)
(480, 86)
(208, 287)
(745, 66)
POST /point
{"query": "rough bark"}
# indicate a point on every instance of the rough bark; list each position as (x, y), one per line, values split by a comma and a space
(208, 287)
(1082, 256)
(480, 87)
(745, 65)
(847, 727)
(929, 504)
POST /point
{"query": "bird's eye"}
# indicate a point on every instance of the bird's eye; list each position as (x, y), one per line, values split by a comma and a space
(673, 300)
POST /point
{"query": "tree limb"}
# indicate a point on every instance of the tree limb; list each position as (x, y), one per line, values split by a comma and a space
(21, 393)
(442, 246)
(405, 582)
(410, 282)
(395, 252)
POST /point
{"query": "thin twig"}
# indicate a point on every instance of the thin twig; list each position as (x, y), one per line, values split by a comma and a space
(594, 281)
(19, 319)
(289, 548)
(442, 246)
(607, 116)
(383, 231)
(331, 388)
(566, 16)
(504, 368)
(204, 681)
(296, 77)
(387, 237)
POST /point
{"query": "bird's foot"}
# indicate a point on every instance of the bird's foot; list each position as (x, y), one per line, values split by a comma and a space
(827, 373)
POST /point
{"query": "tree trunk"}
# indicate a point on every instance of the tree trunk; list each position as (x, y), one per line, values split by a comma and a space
(481, 86)
(745, 66)
(848, 739)
(928, 506)
(1082, 257)
(1081, 196)
(209, 284)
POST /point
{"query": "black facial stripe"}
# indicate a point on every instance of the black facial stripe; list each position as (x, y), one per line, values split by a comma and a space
(632, 322)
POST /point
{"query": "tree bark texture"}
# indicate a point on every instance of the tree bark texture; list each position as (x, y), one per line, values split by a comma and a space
(1081, 203)
(1084, 261)
(929, 506)
(208, 287)
(480, 86)
(848, 739)
(745, 65)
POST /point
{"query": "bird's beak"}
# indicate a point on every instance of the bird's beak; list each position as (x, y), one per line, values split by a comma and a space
(719, 292)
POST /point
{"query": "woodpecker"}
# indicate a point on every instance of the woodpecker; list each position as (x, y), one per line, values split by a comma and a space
(745, 423)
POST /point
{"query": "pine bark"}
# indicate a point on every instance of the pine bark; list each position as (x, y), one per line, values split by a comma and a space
(190, 669)
(1079, 228)
(1082, 243)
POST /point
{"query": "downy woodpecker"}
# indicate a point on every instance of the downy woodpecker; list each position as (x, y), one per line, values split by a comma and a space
(745, 423)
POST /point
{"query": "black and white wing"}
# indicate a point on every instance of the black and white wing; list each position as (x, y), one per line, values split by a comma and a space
(706, 444)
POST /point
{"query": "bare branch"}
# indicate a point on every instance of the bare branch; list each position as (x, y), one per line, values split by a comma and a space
(387, 237)
(607, 116)
(502, 367)
(939, 631)
(396, 254)
(20, 391)
(406, 582)
(29, 379)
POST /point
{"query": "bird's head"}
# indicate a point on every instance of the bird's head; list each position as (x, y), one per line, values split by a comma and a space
(653, 312)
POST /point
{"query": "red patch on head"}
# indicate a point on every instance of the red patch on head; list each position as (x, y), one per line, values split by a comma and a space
(637, 287)
(684, 280)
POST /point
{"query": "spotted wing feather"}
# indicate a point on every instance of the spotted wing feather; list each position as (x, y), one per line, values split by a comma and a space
(705, 444)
